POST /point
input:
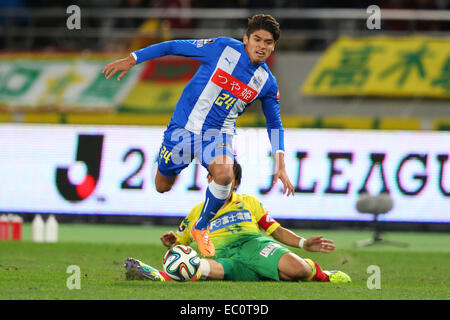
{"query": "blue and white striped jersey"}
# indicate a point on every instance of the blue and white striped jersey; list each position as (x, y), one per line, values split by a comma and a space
(224, 85)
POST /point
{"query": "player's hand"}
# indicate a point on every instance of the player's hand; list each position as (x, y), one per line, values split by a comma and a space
(287, 185)
(318, 244)
(280, 173)
(168, 239)
(121, 65)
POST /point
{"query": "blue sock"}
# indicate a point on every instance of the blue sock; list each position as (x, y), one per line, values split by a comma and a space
(216, 196)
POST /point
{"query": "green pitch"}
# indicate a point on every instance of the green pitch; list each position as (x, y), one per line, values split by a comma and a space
(39, 271)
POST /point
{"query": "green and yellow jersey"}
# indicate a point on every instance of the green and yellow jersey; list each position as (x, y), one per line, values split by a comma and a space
(241, 218)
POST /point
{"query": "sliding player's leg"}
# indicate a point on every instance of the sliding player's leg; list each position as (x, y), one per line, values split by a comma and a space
(336, 276)
(210, 270)
(293, 268)
(138, 270)
(252, 259)
(236, 270)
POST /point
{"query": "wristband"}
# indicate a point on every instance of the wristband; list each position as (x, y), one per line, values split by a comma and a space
(300, 244)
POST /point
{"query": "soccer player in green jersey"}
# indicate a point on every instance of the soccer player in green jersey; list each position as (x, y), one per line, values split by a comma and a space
(243, 253)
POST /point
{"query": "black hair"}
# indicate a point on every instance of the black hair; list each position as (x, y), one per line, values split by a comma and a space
(237, 170)
(263, 22)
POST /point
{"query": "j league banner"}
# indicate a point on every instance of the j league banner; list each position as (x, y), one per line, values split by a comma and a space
(65, 169)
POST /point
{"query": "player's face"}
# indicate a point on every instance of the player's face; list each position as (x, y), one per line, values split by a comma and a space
(259, 46)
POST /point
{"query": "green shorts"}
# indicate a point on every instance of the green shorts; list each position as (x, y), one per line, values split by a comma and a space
(253, 259)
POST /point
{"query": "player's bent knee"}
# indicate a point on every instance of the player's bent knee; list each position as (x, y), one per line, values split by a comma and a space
(304, 270)
(294, 267)
(162, 186)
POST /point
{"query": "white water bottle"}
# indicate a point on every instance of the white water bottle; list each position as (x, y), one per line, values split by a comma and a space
(38, 227)
(51, 229)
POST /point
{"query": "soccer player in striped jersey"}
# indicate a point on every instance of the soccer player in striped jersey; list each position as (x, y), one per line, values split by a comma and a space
(243, 253)
(233, 74)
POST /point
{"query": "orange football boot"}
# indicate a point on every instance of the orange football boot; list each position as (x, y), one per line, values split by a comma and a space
(205, 245)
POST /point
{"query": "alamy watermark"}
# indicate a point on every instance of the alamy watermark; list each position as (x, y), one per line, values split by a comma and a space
(74, 280)
(374, 20)
(374, 281)
(73, 21)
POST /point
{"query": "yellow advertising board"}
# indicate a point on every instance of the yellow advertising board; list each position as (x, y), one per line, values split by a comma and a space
(60, 82)
(74, 82)
(383, 66)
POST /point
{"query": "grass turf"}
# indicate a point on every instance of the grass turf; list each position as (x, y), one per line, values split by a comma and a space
(38, 270)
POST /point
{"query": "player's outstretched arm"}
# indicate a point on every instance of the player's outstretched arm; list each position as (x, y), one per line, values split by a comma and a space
(122, 65)
(312, 244)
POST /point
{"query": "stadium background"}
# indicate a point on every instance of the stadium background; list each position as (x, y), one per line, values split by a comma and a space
(348, 95)
(43, 62)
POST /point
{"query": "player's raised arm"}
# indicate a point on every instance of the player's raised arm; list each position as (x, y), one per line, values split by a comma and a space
(201, 50)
